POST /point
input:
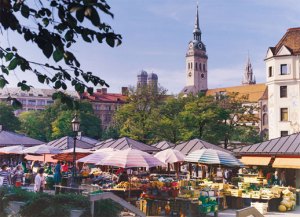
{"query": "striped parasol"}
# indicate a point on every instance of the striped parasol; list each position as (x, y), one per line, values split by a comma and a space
(131, 158)
(94, 158)
(170, 156)
(212, 156)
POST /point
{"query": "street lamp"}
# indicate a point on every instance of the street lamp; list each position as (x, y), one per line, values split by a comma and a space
(75, 128)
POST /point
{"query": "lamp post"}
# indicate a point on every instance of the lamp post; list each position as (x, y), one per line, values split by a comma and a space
(75, 129)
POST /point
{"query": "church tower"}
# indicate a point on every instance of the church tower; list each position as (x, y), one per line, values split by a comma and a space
(249, 78)
(196, 63)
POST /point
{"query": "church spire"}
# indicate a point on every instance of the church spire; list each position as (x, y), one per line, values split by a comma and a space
(197, 31)
(249, 78)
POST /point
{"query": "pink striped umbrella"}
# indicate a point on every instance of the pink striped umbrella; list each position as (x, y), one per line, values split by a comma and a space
(130, 158)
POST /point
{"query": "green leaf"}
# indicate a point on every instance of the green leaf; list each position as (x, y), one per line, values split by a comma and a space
(110, 41)
(46, 21)
(41, 78)
(9, 56)
(25, 11)
(58, 55)
(13, 64)
(80, 15)
(3, 82)
(48, 50)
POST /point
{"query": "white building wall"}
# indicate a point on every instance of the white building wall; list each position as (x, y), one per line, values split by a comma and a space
(292, 101)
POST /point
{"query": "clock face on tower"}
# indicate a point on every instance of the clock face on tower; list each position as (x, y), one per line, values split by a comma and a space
(200, 45)
(190, 74)
(202, 76)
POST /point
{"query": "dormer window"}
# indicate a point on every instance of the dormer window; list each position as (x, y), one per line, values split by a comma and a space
(283, 69)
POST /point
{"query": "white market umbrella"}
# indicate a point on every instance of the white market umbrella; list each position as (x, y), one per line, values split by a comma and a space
(16, 149)
(131, 158)
(42, 150)
(212, 157)
(105, 150)
(170, 156)
(94, 158)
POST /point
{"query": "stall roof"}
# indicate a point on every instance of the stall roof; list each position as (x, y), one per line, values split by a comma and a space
(163, 145)
(281, 162)
(287, 145)
(125, 143)
(8, 138)
(68, 142)
(196, 144)
(255, 160)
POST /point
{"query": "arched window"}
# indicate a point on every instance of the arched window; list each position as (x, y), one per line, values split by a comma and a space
(191, 65)
(265, 108)
(204, 67)
(196, 66)
(265, 119)
(200, 68)
(188, 65)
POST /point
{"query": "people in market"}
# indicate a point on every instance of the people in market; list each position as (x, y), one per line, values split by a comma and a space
(65, 167)
(49, 169)
(282, 178)
(123, 177)
(39, 181)
(57, 173)
(24, 167)
(18, 176)
(227, 176)
(5, 174)
(85, 170)
(275, 179)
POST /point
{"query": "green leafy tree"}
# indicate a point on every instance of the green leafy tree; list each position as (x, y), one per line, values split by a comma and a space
(33, 124)
(138, 118)
(238, 118)
(55, 121)
(53, 27)
(7, 118)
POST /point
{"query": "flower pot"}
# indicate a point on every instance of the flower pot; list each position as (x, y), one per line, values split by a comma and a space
(14, 207)
(76, 213)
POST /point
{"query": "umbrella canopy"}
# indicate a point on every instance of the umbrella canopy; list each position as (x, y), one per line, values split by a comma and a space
(130, 158)
(212, 156)
(45, 158)
(170, 156)
(105, 150)
(16, 149)
(41, 149)
(95, 157)
(67, 155)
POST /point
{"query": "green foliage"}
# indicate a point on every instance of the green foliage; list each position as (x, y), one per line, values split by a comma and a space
(7, 118)
(54, 27)
(19, 194)
(137, 119)
(3, 201)
(55, 121)
(152, 117)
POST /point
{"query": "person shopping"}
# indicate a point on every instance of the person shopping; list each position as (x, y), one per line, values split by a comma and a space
(39, 181)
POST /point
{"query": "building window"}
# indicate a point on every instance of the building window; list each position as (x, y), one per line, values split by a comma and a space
(265, 108)
(188, 65)
(283, 91)
(200, 67)
(50, 102)
(283, 69)
(191, 65)
(265, 119)
(31, 102)
(283, 114)
(204, 67)
(270, 71)
(284, 133)
(41, 102)
(196, 66)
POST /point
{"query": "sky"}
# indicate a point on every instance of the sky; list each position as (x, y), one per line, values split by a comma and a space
(156, 34)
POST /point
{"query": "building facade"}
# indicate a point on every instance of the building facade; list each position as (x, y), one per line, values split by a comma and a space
(33, 100)
(105, 104)
(196, 63)
(283, 81)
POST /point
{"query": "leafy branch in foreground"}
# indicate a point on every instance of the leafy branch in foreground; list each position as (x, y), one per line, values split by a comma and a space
(56, 27)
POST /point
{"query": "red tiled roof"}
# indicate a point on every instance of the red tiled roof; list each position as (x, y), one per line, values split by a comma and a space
(105, 97)
(291, 40)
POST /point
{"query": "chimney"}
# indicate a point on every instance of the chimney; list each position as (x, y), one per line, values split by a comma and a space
(104, 90)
